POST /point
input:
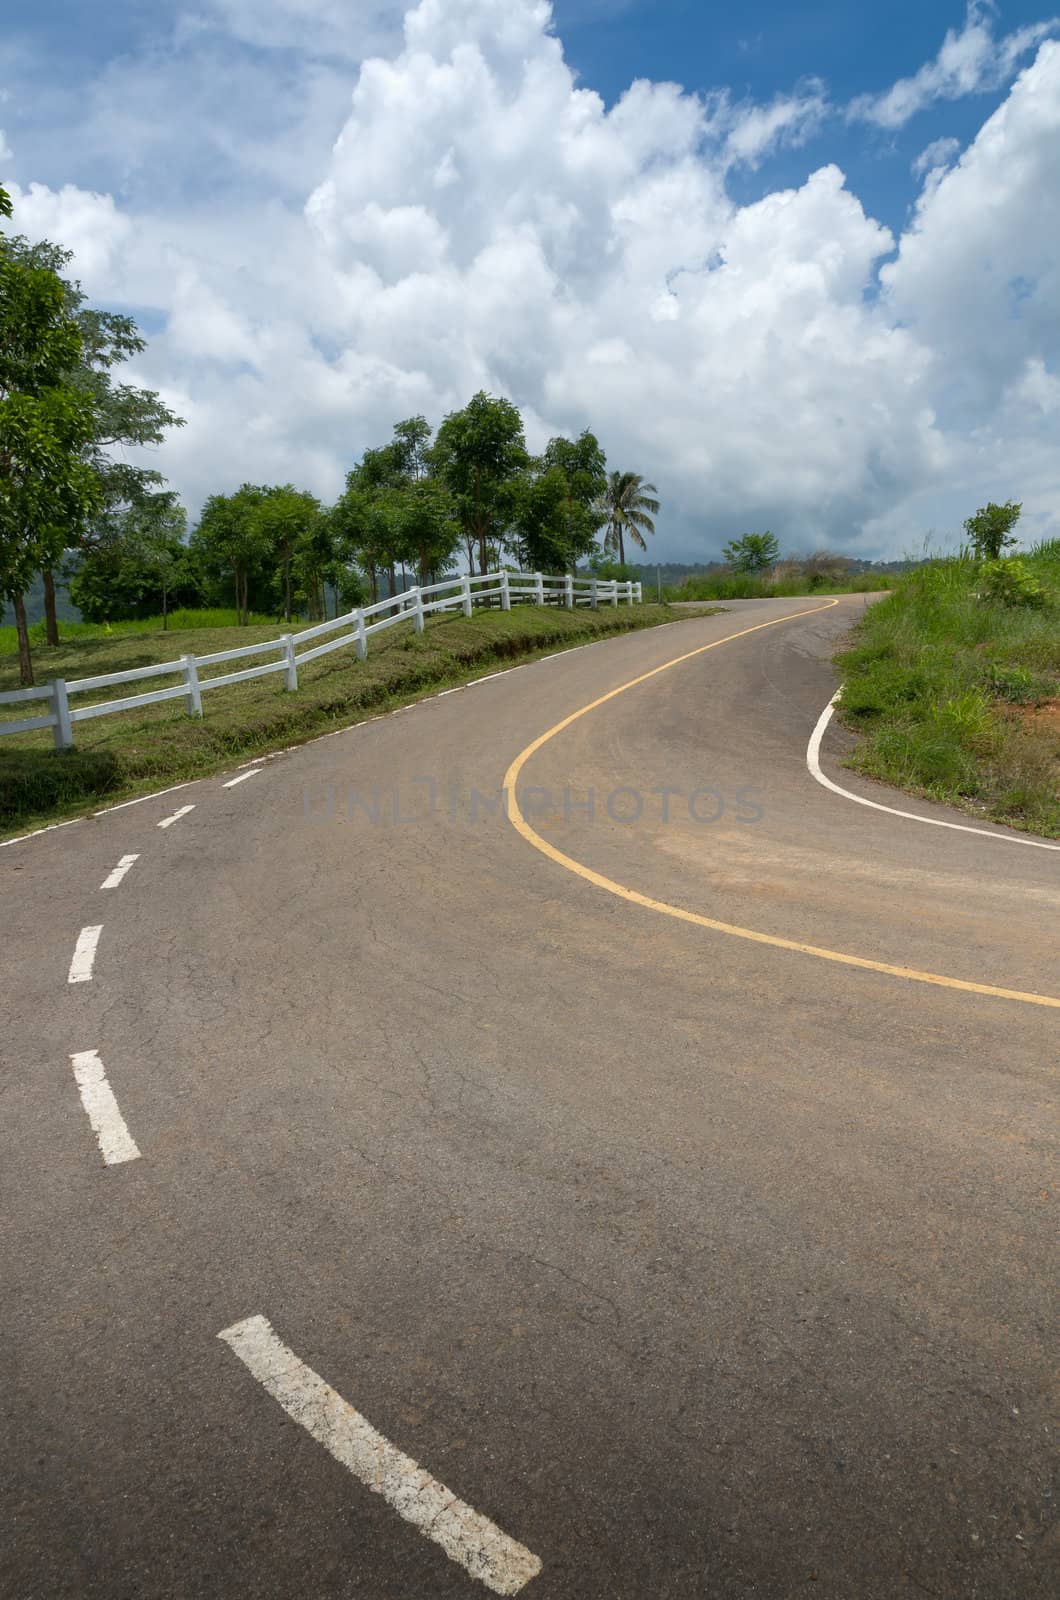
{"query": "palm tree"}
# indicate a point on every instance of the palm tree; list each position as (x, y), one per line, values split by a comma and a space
(629, 505)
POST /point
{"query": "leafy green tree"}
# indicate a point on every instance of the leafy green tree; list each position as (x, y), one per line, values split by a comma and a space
(752, 552)
(230, 542)
(124, 415)
(480, 453)
(990, 529)
(141, 569)
(628, 507)
(411, 447)
(47, 490)
(539, 535)
(286, 518)
(315, 562)
(427, 531)
(363, 529)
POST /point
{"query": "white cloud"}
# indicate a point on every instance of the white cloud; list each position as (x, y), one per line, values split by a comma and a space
(970, 59)
(480, 219)
(753, 131)
(938, 154)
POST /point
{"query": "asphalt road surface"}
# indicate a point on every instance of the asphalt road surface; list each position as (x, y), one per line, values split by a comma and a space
(700, 1257)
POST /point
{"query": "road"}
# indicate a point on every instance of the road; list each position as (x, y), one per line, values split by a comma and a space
(698, 1263)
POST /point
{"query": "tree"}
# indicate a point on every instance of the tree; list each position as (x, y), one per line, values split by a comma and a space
(229, 540)
(141, 568)
(47, 491)
(990, 529)
(286, 517)
(628, 507)
(425, 525)
(363, 530)
(480, 453)
(124, 415)
(752, 552)
(157, 531)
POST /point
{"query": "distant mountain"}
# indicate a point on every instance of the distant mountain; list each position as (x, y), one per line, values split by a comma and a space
(67, 611)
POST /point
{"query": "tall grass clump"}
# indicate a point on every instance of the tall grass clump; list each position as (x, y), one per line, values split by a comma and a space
(951, 680)
(774, 585)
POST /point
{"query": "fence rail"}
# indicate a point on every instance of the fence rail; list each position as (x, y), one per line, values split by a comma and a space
(353, 628)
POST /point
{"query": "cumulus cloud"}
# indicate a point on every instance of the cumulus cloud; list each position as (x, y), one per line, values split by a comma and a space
(970, 60)
(478, 218)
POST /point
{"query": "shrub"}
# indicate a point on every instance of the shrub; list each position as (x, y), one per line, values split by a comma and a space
(1010, 583)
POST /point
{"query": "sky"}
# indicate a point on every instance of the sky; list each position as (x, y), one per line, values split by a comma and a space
(798, 265)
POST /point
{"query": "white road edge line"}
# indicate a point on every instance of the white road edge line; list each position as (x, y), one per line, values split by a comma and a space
(813, 761)
(51, 827)
(115, 1141)
(167, 822)
(156, 794)
(477, 1544)
(112, 880)
(84, 954)
(243, 776)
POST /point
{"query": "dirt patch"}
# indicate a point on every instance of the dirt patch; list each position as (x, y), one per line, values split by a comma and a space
(1044, 717)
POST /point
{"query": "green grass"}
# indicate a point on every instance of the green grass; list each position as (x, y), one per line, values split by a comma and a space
(133, 752)
(179, 622)
(940, 681)
(748, 586)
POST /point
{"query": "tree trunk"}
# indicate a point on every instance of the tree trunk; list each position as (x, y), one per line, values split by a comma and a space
(373, 579)
(51, 621)
(165, 605)
(392, 580)
(25, 661)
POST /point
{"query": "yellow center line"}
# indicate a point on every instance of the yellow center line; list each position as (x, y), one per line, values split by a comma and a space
(519, 822)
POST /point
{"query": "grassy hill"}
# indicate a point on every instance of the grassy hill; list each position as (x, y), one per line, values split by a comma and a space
(954, 681)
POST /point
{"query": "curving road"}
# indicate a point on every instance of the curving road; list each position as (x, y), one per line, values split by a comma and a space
(673, 1180)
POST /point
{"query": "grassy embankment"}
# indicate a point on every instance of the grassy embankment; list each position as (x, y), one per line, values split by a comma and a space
(957, 694)
(134, 752)
(751, 586)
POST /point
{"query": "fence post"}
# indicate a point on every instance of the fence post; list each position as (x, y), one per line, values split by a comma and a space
(465, 594)
(568, 592)
(63, 732)
(360, 643)
(629, 591)
(193, 697)
(614, 591)
(539, 595)
(640, 593)
(290, 677)
(417, 609)
(506, 599)
(592, 593)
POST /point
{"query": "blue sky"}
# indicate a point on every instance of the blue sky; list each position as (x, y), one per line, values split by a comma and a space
(756, 287)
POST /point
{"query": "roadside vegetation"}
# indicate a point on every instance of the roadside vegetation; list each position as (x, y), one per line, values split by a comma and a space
(954, 680)
(119, 757)
(755, 570)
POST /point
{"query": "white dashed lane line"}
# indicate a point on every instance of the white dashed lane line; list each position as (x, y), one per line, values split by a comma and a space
(242, 778)
(466, 1537)
(115, 1141)
(112, 880)
(167, 822)
(84, 954)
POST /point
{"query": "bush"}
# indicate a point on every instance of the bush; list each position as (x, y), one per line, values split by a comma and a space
(1010, 583)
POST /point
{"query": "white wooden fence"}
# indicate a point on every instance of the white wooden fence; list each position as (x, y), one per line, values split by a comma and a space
(354, 627)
